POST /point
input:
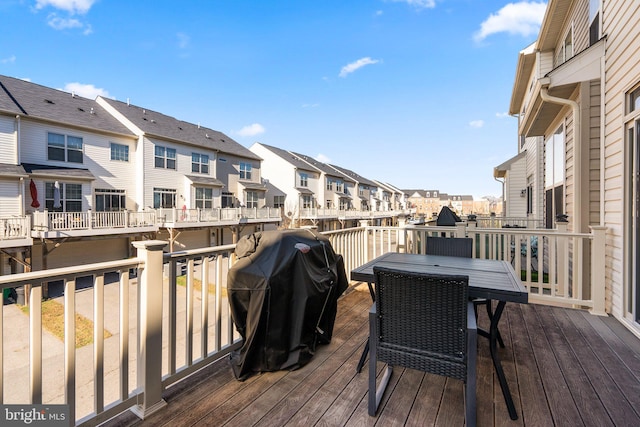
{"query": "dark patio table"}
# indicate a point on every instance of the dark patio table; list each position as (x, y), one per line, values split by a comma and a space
(490, 279)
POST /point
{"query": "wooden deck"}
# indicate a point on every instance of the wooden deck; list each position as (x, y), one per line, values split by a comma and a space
(564, 367)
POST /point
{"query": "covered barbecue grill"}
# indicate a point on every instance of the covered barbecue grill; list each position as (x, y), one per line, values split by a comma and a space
(283, 293)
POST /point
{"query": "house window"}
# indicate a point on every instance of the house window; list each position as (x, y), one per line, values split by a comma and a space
(634, 101)
(554, 166)
(110, 200)
(361, 191)
(307, 201)
(278, 201)
(594, 20)
(329, 203)
(204, 198)
(339, 186)
(304, 179)
(344, 204)
(164, 198)
(245, 171)
(251, 199)
(199, 163)
(64, 148)
(227, 199)
(165, 157)
(329, 184)
(69, 197)
(119, 152)
(567, 47)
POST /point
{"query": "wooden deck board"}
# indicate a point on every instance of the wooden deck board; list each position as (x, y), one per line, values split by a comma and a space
(564, 367)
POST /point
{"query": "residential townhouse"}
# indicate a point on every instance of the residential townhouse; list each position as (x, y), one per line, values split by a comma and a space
(315, 193)
(576, 95)
(426, 202)
(84, 178)
(190, 173)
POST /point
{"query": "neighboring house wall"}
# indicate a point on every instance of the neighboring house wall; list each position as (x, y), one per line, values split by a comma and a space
(620, 18)
(515, 183)
(535, 174)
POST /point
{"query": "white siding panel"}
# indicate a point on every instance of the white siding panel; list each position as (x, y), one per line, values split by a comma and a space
(8, 144)
(85, 251)
(9, 198)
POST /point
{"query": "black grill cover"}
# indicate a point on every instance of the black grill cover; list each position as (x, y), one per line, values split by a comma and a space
(283, 293)
(447, 217)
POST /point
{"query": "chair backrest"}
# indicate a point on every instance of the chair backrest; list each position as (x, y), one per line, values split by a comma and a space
(450, 246)
(422, 321)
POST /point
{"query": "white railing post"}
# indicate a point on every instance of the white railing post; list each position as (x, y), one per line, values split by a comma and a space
(461, 229)
(562, 262)
(598, 282)
(150, 327)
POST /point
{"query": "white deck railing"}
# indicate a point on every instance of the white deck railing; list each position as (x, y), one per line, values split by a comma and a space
(165, 328)
(185, 216)
(18, 227)
(88, 220)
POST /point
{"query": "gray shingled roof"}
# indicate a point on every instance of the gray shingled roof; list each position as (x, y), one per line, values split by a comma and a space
(39, 102)
(157, 124)
(205, 180)
(290, 157)
(328, 170)
(355, 176)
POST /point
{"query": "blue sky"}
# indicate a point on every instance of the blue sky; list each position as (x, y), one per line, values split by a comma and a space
(410, 92)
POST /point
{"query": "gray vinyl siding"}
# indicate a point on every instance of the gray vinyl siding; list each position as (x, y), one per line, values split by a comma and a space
(622, 73)
(8, 146)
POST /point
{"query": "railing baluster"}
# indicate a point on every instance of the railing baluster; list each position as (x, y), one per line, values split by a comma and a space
(204, 318)
(35, 347)
(190, 303)
(70, 345)
(98, 342)
(124, 334)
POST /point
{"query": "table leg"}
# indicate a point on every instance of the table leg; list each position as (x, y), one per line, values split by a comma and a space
(365, 350)
(493, 332)
(363, 356)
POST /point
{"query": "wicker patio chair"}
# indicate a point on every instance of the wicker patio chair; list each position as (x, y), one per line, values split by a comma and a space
(423, 322)
(461, 247)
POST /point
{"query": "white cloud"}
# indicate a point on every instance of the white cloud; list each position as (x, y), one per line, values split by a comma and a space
(502, 115)
(523, 18)
(322, 158)
(418, 4)
(252, 130)
(72, 6)
(350, 68)
(86, 91)
(58, 23)
(10, 60)
(183, 40)
(476, 123)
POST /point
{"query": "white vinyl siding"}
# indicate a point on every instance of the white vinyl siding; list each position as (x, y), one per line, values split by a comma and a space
(89, 251)
(8, 146)
(10, 198)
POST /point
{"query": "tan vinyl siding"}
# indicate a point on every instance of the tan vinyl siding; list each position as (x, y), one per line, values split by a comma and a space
(622, 71)
(89, 251)
(594, 154)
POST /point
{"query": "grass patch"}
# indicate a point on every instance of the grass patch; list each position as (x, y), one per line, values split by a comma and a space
(53, 321)
(197, 285)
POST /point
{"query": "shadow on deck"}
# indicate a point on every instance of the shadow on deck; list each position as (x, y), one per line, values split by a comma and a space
(565, 367)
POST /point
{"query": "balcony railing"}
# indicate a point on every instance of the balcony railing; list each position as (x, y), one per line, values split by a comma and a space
(188, 217)
(89, 220)
(167, 325)
(18, 227)
(327, 213)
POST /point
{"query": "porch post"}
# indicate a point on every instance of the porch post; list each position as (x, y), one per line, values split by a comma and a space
(461, 229)
(598, 283)
(149, 327)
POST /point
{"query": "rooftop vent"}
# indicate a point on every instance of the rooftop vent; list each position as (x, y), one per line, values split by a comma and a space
(206, 135)
(144, 111)
(128, 104)
(81, 109)
(153, 121)
(48, 101)
(92, 112)
(180, 127)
